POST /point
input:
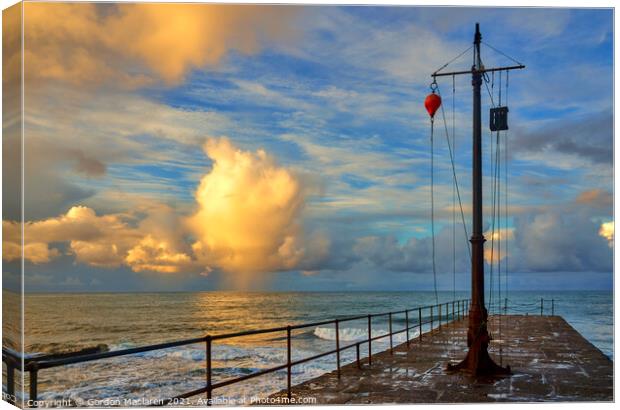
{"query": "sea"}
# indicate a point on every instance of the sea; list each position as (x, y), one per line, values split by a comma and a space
(58, 323)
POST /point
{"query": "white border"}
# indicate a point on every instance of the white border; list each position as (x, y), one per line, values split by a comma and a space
(479, 3)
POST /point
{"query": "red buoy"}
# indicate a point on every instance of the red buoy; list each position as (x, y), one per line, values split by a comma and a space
(432, 104)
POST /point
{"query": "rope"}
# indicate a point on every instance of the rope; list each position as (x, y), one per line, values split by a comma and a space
(433, 210)
(485, 76)
(453, 60)
(495, 162)
(500, 52)
(496, 204)
(456, 182)
(492, 171)
(505, 209)
(499, 238)
(496, 215)
(453, 199)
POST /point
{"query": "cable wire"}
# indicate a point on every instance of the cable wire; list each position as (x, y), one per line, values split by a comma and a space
(458, 191)
(433, 210)
(453, 198)
(453, 60)
(500, 52)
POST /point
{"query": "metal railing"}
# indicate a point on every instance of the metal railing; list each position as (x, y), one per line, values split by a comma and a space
(539, 308)
(438, 315)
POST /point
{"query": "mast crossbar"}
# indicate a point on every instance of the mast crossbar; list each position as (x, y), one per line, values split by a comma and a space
(484, 70)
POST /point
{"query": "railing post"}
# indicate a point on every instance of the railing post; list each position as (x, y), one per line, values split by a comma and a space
(439, 309)
(453, 317)
(541, 306)
(32, 397)
(505, 306)
(338, 347)
(552, 308)
(431, 318)
(420, 322)
(369, 340)
(288, 362)
(391, 344)
(357, 348)
(209, 342)
(407, 326)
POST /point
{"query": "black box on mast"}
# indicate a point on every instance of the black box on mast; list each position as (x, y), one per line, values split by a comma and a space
(498, 119)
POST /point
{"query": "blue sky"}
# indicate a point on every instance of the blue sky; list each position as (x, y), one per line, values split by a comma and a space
(333, 97)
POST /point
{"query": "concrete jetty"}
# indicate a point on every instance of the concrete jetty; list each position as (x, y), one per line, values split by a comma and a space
(550, 361)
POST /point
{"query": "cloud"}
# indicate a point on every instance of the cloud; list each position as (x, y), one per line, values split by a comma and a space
(596, 198)
(106, 241)
(95, 240)
(561, 239)
(496, 251)
(566, 238)
(249, 220)
(37, 253)
(587, 139)
(249, 216)
(152, 255)
(386, 253)
(94, 147)
(607, 231)
(134, 44)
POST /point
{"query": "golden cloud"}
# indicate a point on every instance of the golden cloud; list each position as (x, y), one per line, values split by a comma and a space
(133, 44)
(95, 240)
(248, 220)
(103, 241)
(607, 231)
(498, 253)
(249, 210)
(504, 234)
(156, 256)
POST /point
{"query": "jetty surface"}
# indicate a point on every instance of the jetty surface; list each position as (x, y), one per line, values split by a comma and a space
(550, 361)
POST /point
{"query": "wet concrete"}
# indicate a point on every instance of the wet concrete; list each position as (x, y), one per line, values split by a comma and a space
(550, 361)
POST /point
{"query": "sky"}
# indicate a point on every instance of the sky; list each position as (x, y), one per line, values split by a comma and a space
(192, 147)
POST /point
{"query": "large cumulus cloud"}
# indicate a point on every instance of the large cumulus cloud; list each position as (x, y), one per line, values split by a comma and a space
(249, 216)
(248, 220)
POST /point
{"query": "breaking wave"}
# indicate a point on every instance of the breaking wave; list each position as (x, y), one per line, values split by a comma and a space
(352, 334)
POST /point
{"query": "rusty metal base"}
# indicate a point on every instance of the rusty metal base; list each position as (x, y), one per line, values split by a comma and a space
(478, 362)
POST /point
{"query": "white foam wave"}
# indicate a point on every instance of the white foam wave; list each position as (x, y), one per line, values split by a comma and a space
(358, 334)
(347, 334)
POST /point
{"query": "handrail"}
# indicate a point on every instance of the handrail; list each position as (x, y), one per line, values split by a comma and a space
(33, 364)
